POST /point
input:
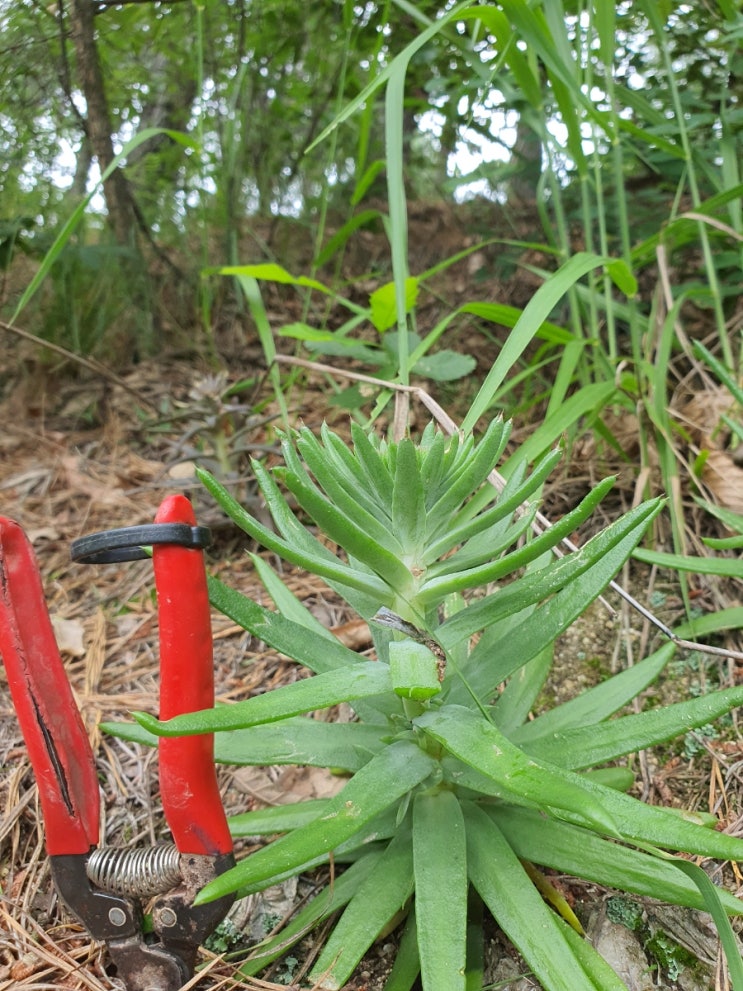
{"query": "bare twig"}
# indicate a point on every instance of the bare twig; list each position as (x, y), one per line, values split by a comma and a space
(90, 363)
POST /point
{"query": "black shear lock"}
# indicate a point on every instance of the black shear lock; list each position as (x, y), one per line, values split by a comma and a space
(128, 543)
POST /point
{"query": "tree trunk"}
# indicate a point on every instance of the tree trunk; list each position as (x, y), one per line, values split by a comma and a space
(526, 158)
(119, 201)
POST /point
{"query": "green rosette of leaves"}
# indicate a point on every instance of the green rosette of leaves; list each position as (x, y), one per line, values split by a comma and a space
(456, 794)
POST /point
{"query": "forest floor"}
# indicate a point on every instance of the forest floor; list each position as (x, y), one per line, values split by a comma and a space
(80, 454)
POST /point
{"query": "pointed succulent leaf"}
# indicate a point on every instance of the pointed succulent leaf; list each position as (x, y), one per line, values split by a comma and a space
(328, 901)
(319, 692)
(375, 468)
(440, 863)
(512, 497)
(277, 818)
(301, 548)
(493, 570)
(469, 477)
(413, 670)
(659, 827)
(295, 740)
(408, 500)
(481, 745)
(550, 620)
(349, 533)
(535, 586)
(581, 853)
(598, 703)
(376, 902)
(343, 486)
(518, 908)
(378, 785)
(585, 746)
(485, 548)
(315, 650)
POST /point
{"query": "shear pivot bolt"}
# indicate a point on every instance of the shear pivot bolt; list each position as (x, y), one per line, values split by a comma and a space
(167, 918)
(117, 916)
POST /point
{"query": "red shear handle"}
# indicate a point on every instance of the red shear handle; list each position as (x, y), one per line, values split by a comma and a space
(50, 721)
(188, 781)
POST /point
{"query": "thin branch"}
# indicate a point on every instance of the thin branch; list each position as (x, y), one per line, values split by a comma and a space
(90, 363)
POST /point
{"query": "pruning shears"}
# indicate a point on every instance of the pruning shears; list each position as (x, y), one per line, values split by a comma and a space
(108, 889)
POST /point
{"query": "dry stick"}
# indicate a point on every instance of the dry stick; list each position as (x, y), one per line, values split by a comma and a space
(90, 363)
(497, 480)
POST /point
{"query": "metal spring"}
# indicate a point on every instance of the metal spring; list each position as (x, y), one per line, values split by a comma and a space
(138, 873)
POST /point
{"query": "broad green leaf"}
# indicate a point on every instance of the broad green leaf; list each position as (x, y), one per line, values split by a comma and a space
(586, 746)
(481, 745)
(270, 272)
(383, 307)
(440, 861)
(406, 966)
(521, 692)
(444, 366)
(518, 908)
(378, 899)
(343, 685)
(378, 785)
